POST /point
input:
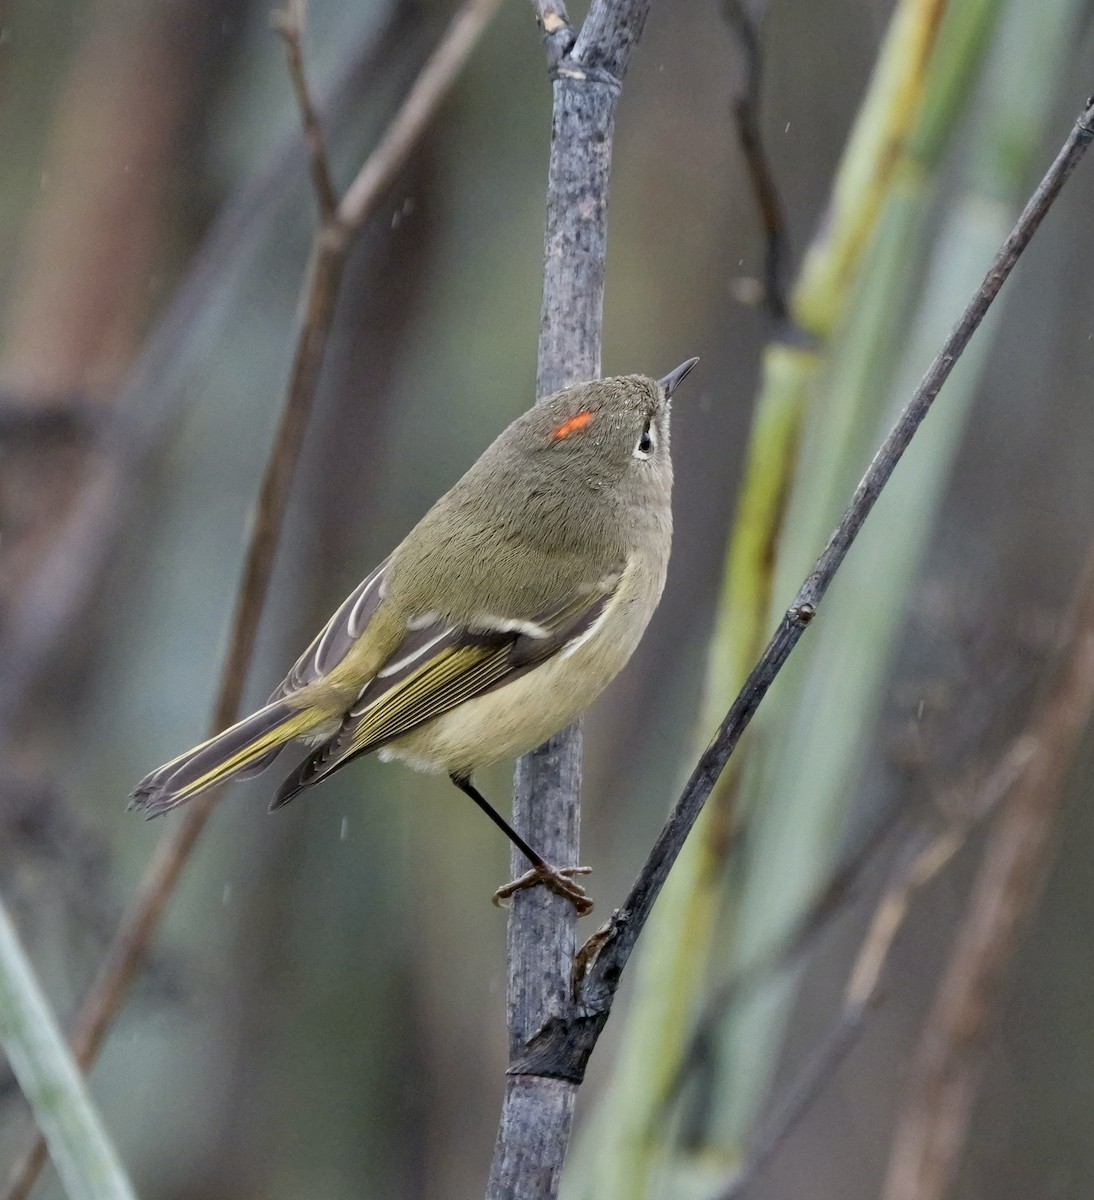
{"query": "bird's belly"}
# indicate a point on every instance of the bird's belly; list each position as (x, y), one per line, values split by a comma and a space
(522, 714)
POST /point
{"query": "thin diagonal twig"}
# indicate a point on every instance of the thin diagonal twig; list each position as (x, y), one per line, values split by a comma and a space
(289, 23)
(415, 113)
(41, 617)
(745, 25)
(332, 244)
(564, 1045)
(803, 608)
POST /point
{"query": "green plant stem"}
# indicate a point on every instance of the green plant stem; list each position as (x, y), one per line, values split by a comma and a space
(79, 1145)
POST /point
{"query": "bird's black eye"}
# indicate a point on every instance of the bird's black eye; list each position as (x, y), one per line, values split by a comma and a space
(645, 442)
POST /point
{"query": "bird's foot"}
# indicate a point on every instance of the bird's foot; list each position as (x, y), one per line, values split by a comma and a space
(559, 880)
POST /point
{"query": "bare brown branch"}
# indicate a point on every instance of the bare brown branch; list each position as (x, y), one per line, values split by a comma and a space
(41, 618)
(289, 23)
(331, 247)
(745, 24)
(417, 110)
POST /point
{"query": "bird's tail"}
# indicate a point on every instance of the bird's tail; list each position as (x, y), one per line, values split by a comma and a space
(243, 749)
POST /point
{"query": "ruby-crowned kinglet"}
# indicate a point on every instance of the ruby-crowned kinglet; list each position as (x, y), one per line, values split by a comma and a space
(500, 617)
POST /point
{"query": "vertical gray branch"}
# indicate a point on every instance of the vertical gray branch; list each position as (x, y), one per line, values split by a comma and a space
(582, 125)
(538, 1108)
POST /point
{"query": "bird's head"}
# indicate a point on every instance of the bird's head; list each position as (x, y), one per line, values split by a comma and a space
(608, 432)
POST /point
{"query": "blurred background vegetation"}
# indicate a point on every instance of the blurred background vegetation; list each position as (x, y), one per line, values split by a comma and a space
(324, 1011)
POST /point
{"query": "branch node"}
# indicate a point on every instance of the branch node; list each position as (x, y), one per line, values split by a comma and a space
(333, 234)
(801, 614)
(587, 955)
(558, 34)
(1085, 123)
(569, 68)
(288, 23)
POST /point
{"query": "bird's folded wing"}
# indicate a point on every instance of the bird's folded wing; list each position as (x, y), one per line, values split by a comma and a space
(439, 666)
(436, 665)
(337, 636)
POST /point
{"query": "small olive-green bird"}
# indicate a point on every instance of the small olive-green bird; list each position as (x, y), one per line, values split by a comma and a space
(500, 617)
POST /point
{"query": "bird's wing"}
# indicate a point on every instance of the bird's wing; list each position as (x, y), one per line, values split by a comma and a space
(337, 636)
(438, 666)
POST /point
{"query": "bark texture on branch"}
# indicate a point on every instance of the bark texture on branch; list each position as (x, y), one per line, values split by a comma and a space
(538, 1107)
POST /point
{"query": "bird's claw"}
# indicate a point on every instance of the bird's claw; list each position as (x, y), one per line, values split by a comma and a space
(559, 880)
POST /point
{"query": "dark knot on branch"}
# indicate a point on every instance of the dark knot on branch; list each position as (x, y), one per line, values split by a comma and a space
(1085, 123)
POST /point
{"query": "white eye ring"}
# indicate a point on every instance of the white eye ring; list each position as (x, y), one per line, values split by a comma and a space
(644, 448)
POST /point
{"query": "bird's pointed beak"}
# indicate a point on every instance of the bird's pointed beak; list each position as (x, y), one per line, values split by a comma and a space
(674, 378)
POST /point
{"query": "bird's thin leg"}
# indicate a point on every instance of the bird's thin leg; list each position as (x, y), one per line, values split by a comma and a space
(558, 879)
(469, 789)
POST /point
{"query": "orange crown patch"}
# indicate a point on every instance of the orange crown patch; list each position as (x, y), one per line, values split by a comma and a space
(571, 425)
